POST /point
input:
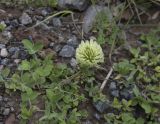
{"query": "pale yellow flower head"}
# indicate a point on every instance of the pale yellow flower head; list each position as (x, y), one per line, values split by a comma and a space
(89, 53)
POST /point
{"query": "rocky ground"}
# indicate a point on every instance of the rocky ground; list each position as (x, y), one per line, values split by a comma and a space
(60, 36)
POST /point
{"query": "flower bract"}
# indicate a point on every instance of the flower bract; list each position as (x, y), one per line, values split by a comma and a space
(89, 53)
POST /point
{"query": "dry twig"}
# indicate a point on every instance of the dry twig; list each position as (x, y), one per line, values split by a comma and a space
(106, 79)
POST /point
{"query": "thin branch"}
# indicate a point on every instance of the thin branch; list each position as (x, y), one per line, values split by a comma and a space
(106, 79)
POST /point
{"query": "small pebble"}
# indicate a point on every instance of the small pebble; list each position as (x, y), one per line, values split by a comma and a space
(6, 111)
(56, 22)
(112, 86)
(115, 93)
(4, 52)
(73, 62)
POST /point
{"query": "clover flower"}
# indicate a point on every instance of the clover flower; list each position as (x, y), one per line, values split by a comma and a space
(89, 53)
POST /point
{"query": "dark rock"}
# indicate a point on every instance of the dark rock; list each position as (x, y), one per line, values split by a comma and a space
(23, 54)
(4, 61)
(79, 5)
(14, 23)
(101, 106)
(126, 94)
(112, 86)
(12, 50)
(73, 41)
(25, 19)
(115, 93)
(57, 47)
(67, 51)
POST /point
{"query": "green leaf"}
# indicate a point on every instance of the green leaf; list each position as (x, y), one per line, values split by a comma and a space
(5, 72)
(44, 70)
(32, 48)
(37, 46)
(116, 104)
(124, 67)
(136, 91)
(135, 52)
(128, 118)
(2, 27)
(25, 65)
(146, 106)
(140, 121)
(28, 45)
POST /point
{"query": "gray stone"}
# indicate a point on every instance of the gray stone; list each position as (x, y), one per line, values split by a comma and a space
(115, 93)
(91, 14)
(73, 41)
(6, 111)
(79, 5)
(101, 106)
(73, 62)
(5, 99)
(12, 109)
(7, 35)
(67, 51)
(4, 52)
(56, 22)
(112, 86)
(44, 12)
(12, 50)
(25, 19)
(2, 46)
